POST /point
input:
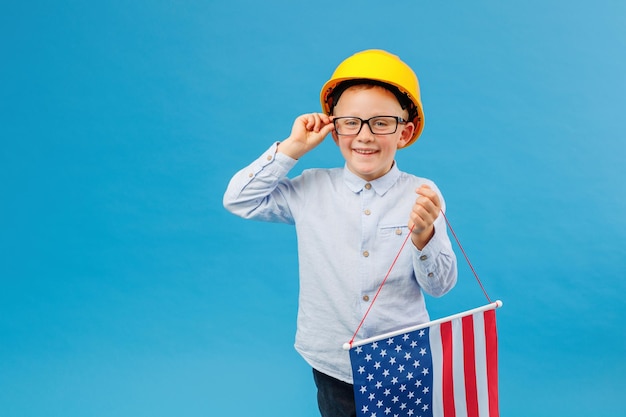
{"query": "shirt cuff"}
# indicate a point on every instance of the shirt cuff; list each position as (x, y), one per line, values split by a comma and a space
(428, 255)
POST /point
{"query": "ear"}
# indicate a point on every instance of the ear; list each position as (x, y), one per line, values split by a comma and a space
(406, 134)
(335, 138)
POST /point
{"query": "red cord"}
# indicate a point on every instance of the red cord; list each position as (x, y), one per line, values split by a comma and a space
(381, 285)
(466, 258)
(394, 262)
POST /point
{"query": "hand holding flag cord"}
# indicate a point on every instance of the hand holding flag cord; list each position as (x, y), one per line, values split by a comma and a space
(443, 368)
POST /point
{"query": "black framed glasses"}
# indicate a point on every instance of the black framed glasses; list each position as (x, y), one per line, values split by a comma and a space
(379, 125)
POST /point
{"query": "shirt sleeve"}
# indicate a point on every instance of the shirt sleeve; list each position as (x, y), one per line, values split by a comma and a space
(435, 265)
(258, 191)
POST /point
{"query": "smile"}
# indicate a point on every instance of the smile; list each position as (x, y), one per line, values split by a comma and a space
(365, 151)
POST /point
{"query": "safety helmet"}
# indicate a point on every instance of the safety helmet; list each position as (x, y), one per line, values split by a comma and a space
(379, 66)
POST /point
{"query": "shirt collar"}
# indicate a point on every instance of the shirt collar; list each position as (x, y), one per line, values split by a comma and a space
(380, 185)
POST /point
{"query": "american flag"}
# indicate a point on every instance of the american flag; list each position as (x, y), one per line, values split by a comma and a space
(445, 368)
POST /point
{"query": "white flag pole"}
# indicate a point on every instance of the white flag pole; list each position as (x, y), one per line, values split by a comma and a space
(492, 306)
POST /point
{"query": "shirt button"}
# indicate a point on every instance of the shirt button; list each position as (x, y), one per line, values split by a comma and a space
(430, 275)
(250, 175)
(269, 157)
(398, 231)
(366, 253)
(366, 298)
(423, 257)
(368, 186)
(367, 212)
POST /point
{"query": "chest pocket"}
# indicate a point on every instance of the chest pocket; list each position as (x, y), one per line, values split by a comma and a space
(398, 232)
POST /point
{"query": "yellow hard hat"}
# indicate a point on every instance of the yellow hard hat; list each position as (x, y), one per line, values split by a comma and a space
(380, 66)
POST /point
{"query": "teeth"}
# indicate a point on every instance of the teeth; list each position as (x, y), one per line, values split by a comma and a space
(364, 151)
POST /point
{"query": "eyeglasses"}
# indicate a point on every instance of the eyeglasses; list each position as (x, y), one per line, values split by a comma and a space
(379, 125)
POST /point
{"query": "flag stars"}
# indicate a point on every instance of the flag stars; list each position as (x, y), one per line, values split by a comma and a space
(395, 379)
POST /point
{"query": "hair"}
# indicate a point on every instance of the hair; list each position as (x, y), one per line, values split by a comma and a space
(405, 102)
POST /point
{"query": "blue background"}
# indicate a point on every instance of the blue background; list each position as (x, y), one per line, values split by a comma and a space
(127, 290)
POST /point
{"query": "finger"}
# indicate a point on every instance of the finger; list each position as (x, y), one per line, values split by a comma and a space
(318, 122)
(430, 194)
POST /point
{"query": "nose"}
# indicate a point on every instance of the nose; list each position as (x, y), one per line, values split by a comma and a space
(365, 134)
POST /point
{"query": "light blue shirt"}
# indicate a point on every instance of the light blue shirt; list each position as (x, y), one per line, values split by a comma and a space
(349, 232)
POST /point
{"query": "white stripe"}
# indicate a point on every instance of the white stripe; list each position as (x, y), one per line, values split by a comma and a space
(458, 370)
(481, 364)
(437, 357)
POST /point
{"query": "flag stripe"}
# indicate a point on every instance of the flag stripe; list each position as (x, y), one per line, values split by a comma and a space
(491, 338)
(469, 365)
(458, 368)
(447, 370)
(481, 365)
(436, 352)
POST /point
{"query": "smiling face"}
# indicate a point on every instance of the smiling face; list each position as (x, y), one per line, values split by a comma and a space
(367, 155)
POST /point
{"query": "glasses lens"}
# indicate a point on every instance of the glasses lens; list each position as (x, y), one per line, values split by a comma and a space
(348, 125)
(383, 125)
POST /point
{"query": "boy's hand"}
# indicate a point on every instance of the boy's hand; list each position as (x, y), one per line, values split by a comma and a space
(308, 131)
(423, 214)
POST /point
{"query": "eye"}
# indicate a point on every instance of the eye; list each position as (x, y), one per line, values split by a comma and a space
(382, 122)
(351, 122)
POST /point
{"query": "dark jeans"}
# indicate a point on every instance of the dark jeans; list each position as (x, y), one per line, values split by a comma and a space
(335, 398)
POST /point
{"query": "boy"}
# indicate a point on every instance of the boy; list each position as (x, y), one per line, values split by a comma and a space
(351, 221)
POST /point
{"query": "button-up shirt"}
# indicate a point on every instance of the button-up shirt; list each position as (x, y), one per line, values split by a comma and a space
(349, 232)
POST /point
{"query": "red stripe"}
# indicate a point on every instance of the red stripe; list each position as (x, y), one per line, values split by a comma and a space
(491, 340)
(449, 409)
(469, 366)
